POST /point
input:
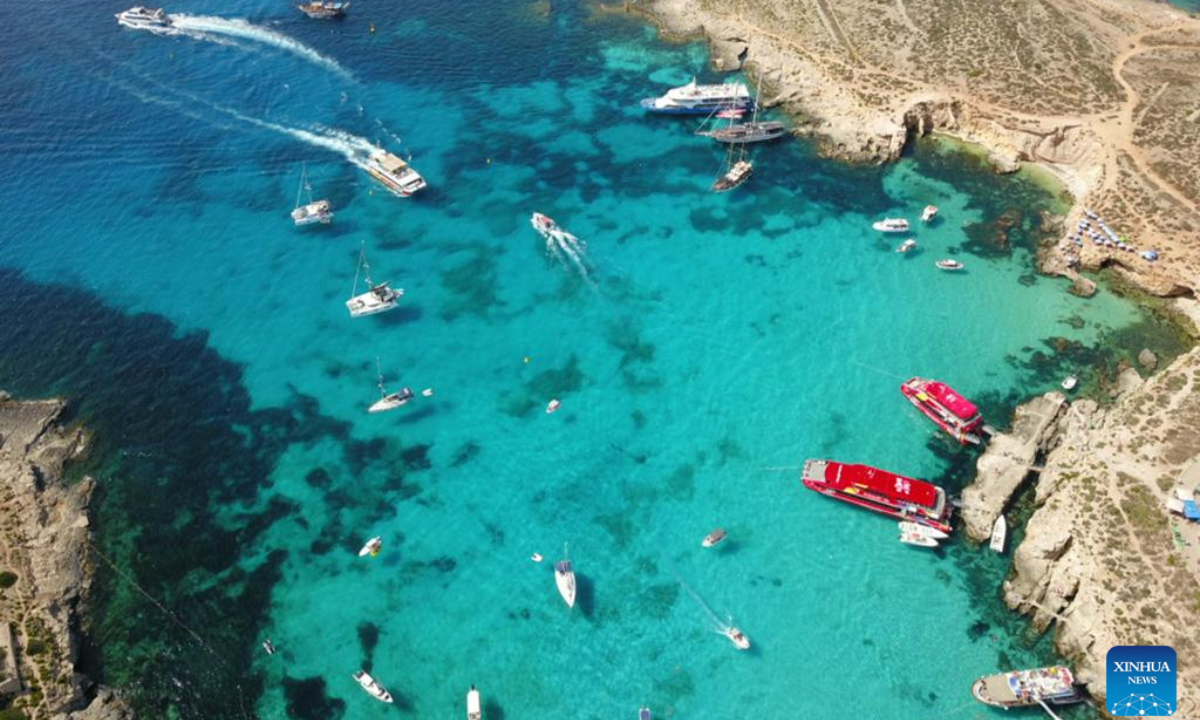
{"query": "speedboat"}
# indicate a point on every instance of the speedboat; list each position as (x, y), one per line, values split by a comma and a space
(142, 18)
(564, 578)
(395, 174)
(543, 224)
(372, 548)
(324, 10)
(999, 534)
(713, 538)
(1069, 382)
(916, 528)
(929, 213)
(473, 711)
(737, 174)
(909, 538)
(949, 264)
(553, 406)
(891, 225)
(391, 401)
(737, 637)
(373, 688)
(694, 99)
(907, 245)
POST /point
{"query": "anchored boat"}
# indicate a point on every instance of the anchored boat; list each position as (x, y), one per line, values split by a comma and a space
(320, 211)
(883, 492)
(372, 547)
(389, 401)
(324, 10)
(918, 539)
(735, 174)
(909, 526)
(694, 99)
(564, 578)
(949, 264)
(999, 534)
(713, 538)
(473, 710)
(907, 245)
(373, 688)
(952, 412)
(377, 298)
(891, 225)
(751, 132)
(395, 174)
(1020, 688)
(929, 213)
(142, 18)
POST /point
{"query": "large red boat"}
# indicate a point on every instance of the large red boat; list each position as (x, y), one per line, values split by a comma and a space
(879, 490)
(952, 412)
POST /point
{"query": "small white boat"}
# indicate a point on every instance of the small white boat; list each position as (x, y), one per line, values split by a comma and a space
(1070, 382)
(891, 225)
(713, 538)
(377, 298)
(919, 539)
(564, 578)
(929, 213)
(999, 534)
(553, 406)
(269, 646)
(372, 548)
(737, 637)
(909, 526)
(544, 224)
(536, 557)
(949, 264)
(427, 392)
(907, 245)
(473, 710)
(320, 211)
(373, 688)
(143, 18)
(389, 401)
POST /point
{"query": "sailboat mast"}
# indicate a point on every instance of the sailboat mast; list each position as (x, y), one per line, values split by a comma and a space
(303, 183)
(362, 258)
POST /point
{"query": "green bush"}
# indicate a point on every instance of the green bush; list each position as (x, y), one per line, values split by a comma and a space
(35, 647)
(7, 579)
(13, 713)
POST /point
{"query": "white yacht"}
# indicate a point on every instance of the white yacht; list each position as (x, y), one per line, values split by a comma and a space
(320, 211)
(474, 712)
(395, 174)
(891, 225)
(377, 298)
(389, 401)
(949, 264)
(142, 18)
(373, 688)
(564, 578)
(694, 99)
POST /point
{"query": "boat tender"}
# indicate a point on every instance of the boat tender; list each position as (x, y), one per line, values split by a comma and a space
(1020, 688)
(694, 99)
(878, 490)
(713, 538)
(891, 225)
(1069, 382)
(911, 527)
(143, 18)
(373, 688)
(324, 10)
(918, 539)
(952, 412)
(564, 578)
(372, 548)
(395, 174)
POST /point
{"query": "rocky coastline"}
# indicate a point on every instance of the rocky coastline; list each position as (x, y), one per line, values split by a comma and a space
(46, 566)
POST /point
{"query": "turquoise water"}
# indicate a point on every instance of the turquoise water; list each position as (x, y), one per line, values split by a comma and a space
(713, 343)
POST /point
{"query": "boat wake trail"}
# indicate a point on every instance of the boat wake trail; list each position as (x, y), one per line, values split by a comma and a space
(718, 626)
(354, 148)
(204, 26)
(570, 251)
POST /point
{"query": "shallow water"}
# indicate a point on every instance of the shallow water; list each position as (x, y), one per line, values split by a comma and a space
(714, 343)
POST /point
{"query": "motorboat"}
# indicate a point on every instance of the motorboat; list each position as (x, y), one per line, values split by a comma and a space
(695, 99)
(269, 647)
(946, 407)
(917, 528)
(324, 10)
(737, 637)
(320, 211)
(891, 225)
(553, 406)
(929, 213)
(473, 709)
(1021, 688)
(143, 18)
(373, 688)
(395, 174)
(918, 539)
(949, 264)
(737, 174)
(377, 298)
(1069, 383)
(887, 493)
(564, 578)
(907, 245)
(544, 224)
(999, 534)
(713, 538)
(372, 548)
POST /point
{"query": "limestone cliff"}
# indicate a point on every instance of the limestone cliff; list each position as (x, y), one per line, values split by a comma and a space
(44, 552)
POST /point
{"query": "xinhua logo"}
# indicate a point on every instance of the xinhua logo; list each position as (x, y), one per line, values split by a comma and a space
(1141, 681)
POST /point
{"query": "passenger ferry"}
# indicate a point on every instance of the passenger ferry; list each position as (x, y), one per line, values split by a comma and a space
(1026, 687)
(693, 99)
(141, 18)
(396, 175)
(879, 490)
(952, 412)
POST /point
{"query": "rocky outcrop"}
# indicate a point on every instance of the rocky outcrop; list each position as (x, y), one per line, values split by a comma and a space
(1007, 462)
(45, 545)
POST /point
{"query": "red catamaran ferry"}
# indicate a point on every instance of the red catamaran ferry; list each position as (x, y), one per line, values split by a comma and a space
(879, 490)
(952, 412)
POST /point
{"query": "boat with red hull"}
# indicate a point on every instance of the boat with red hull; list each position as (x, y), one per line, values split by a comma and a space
(879, 490)
(955, 414)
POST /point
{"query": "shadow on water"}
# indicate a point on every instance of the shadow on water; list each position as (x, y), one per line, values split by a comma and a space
(585, 594)
(493, 710)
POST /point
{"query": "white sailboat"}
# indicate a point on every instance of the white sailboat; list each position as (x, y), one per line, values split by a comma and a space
(320, 211)
(564, 578)
(389, 401)
(378, 298)
(373, 688)
(473, 710)
(999, 534)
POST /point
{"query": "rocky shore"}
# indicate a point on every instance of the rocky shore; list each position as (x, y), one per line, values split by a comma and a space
(45, 569)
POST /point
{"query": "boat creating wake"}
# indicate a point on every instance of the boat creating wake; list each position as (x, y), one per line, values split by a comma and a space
(565, 247)
(207, 27)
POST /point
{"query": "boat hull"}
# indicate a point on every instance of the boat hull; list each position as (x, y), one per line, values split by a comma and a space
(936, 516)
(699, 109)
(369, 304)
(565, 580)
(964, 431)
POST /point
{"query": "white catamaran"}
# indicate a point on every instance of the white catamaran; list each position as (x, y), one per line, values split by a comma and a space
(377, 298)
(320, 211)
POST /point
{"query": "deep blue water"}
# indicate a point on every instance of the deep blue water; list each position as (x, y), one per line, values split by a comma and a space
(707, 347)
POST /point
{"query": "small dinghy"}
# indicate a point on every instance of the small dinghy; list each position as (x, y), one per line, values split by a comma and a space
(713, 538)
(1069, 383)
(473, 711)
(909, 526)
(999, 534)
(564, 578)
(373, 688)
(949, 264)
(536, 557)
(553, 406)
(372, 548)
(907, 245)
(737, 637)
(918, 539)
(891, 225)
(929, 213)
(644, 714)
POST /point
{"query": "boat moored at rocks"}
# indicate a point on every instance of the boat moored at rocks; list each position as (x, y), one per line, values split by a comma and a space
(887, 493)
(694, 99)
(952, 412)
(1021, 688)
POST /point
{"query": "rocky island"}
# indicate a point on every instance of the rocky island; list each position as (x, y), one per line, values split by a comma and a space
(45, 569)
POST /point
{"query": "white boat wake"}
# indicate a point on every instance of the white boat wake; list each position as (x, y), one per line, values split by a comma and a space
(569, 250)
(204, 26)
(721, 628)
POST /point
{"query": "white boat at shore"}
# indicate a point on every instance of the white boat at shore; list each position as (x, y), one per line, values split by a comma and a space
(474, 712)
(378, 298)
(564, 578)
(389, 401)
(714, 537)
(737, 637)
(919, 529)
(1069, 383)
(999, 534)
(373, 688)
(372, 548)
(891, 225)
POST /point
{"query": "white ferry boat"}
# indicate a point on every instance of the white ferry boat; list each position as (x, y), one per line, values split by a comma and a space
(395, 174)
(693, 99)
(141, 18)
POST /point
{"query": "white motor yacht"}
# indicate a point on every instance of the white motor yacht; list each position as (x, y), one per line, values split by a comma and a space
(142, 18)
(373, 688)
